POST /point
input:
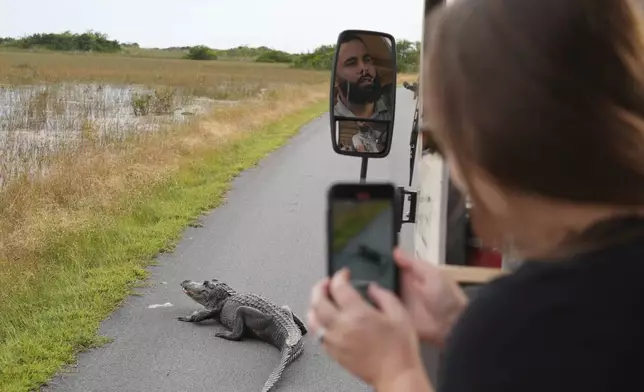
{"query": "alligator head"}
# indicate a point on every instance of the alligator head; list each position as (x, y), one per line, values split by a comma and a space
(210, 293)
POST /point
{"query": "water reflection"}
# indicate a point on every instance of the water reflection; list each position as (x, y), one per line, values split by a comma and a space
(38, 120)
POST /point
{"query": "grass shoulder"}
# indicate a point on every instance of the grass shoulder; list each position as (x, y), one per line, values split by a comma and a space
(351, 219)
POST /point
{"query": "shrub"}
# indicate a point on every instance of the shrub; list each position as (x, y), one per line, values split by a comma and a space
(201, 52)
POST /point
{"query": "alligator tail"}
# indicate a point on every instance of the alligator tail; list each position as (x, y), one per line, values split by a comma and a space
(289, 354)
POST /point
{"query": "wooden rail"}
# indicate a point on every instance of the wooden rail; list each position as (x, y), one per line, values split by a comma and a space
(472, 275)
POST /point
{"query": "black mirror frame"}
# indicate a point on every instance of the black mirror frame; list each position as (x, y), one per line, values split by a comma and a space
(333, 118)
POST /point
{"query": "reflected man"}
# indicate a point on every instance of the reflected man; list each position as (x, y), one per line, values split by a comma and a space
(359, 84)
(360, 92)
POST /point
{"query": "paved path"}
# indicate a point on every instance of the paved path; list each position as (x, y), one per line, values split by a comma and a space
(269, 238)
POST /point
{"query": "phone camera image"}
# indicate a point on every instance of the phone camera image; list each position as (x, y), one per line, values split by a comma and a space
(362, 239)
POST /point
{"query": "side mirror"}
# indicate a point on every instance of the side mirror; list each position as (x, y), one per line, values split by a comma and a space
(363, 93)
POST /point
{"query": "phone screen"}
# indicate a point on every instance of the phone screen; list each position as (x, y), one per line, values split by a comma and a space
(362, 238)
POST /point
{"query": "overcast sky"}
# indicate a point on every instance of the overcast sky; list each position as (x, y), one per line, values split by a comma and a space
(290, 25)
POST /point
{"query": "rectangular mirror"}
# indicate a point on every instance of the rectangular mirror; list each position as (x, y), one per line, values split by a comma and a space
(363, 93)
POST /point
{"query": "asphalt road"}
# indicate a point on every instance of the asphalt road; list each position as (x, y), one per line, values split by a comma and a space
(268, 238)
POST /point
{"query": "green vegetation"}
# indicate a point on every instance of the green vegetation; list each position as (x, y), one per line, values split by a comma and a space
(408, 52)
(275, 56)
(87, 42)
(201, 53)
(321, 58)
(350, 219)
(408, 56)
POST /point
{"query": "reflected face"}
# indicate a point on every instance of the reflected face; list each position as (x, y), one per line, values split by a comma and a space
(355, 64)
(356, 73)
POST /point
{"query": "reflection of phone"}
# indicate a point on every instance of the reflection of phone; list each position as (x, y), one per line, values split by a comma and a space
(361, 234)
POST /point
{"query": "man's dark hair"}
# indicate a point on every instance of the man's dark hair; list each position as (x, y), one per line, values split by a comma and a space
(348, 37)
(352, 91)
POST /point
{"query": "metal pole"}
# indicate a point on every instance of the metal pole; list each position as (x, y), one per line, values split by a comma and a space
(363, 169)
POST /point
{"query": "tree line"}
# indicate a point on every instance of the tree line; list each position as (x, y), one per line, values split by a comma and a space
(86, 42)
(407, 52)
(407, 56)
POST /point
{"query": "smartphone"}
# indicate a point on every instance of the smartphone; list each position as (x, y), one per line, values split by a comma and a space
(361, 234)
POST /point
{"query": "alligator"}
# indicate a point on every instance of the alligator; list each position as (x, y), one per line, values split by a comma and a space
(248, 315)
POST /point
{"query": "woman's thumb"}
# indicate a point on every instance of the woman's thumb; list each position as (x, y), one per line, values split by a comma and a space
(402, 259)
(384, 299)
(416, 267)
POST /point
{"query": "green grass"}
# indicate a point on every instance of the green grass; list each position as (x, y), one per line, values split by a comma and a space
(350, 220)
(88, 274)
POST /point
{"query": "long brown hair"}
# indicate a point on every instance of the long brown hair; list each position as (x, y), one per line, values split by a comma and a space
(545, 96)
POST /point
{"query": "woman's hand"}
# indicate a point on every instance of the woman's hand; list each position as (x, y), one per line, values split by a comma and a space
(376, 345)
(434, 301)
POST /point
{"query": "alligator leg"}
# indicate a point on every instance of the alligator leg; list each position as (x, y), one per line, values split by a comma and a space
(297, 320)
(246, 317)
(199, 315)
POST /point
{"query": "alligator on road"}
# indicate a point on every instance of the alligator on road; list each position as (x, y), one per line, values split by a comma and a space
(249, 315)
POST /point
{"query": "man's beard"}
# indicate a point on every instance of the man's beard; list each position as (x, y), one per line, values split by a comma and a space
(360, 95)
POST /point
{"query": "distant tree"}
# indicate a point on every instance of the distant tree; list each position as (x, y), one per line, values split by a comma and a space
(407, 52)
(201, 52)
(274, 56)
(321, 58)
(408, 56)
(245, 53)
(90, 41)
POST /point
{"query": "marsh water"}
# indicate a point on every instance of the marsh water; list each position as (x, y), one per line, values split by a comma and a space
(36, 120)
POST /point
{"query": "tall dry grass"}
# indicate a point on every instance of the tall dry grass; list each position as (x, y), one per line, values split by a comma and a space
(52, 100)
(213, 79)
(97, 178)
(65, 142)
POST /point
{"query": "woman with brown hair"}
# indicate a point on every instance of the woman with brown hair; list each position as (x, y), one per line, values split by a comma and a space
(538, 109)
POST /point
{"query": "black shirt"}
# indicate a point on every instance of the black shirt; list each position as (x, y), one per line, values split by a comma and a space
(566, 325)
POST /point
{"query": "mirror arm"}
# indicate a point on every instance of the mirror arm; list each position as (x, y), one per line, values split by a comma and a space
(413, 142)
(403, 195)
(363, 169)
